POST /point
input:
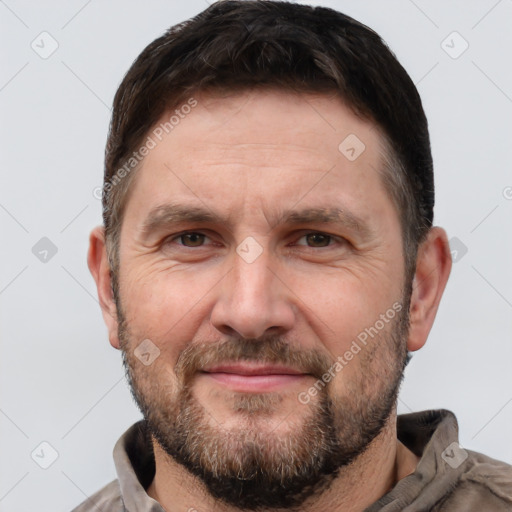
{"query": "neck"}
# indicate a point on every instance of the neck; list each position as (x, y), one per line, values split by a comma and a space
(357, 486)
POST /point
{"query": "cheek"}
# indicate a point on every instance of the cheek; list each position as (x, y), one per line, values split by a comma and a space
(340, 305)
(165, 308)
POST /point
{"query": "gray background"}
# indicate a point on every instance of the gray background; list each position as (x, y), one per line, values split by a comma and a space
(62, 383)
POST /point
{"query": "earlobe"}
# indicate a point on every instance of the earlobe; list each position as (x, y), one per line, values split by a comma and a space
(433, 265)
(99, 267)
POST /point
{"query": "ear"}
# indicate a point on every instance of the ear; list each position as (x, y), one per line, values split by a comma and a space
(99, 267)
(433, 265)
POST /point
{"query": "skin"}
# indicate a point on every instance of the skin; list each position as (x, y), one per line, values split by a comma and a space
(249, 157)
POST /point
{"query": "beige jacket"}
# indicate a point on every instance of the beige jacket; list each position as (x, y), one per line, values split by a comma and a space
(448, 478)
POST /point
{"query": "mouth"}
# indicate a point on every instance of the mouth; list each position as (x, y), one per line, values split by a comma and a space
(254, 377)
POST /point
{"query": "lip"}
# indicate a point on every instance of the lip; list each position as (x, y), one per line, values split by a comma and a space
(253, 369)
(255, 378)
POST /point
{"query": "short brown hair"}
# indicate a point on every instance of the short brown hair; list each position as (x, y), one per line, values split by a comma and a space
(243, 44)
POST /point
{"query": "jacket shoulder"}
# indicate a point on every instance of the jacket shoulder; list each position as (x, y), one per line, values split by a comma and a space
(107, 498)
(485, 485)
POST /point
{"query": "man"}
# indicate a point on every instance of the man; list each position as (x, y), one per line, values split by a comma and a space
(267, 263)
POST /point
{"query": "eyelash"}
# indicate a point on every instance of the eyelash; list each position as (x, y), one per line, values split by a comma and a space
(332, 239)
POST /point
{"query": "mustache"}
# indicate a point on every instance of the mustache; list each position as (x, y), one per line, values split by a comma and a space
(268, 349)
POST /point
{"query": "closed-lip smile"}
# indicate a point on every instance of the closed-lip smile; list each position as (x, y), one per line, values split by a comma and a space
(253, 377)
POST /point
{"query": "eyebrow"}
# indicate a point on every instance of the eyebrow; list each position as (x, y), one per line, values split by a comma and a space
(170, 214)
(327, 215)
(167, 215)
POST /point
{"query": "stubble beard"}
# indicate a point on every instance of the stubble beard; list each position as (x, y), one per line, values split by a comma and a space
(250, 466)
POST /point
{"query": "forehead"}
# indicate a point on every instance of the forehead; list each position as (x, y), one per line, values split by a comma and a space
(267, 147)
(277, 117)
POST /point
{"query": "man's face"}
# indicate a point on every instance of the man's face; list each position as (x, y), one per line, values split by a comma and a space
(255, 250)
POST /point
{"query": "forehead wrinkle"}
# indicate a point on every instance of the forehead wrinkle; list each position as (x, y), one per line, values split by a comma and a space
(254, 156)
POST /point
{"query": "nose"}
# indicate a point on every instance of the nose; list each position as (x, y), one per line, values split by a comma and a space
(253, 300)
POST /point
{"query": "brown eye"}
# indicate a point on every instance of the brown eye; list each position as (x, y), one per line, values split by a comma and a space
(192, 239)
(318, 240)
